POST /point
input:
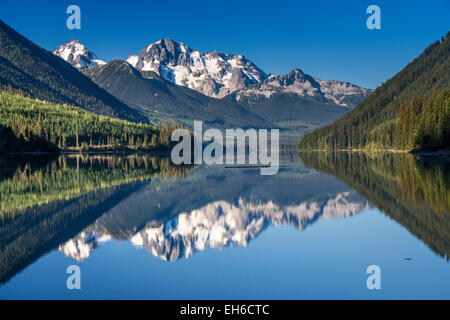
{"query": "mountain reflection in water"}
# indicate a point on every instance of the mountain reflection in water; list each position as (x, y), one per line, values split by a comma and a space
(76, 203)
(413, 191)
(219, 224)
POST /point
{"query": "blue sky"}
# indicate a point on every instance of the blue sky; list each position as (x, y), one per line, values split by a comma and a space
(327, 39)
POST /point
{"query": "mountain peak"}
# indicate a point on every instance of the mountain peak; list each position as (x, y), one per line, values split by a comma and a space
(168, 40)
(167, 43)
(296, 71)
(214, 74)
(77, 54)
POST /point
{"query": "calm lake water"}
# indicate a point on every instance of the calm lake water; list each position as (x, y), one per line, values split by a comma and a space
(139, 227)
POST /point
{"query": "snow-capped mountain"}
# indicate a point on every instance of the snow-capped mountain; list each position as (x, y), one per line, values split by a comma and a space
(217, 75)
(214, 74)
(77, 55)
(219, 224)
(304, 85)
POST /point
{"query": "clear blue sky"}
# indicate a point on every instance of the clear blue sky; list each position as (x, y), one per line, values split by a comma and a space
(327, 39)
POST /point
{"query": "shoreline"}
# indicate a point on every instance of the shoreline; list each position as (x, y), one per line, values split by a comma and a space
(91, 152)
(439, 153)
(445, 153)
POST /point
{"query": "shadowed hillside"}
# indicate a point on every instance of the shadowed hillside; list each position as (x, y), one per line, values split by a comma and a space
(28, 67)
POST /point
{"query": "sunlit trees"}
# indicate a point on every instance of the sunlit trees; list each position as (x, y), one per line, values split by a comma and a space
(425, 124)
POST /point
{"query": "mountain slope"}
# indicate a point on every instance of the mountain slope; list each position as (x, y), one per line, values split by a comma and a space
(148, 91)
(28, 67)
(221, 224)
(374, 120)
(297, 96)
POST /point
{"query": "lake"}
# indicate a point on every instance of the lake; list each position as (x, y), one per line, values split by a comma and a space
(139, 227)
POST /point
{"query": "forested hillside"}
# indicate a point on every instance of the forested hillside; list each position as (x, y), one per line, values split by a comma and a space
(26, 66)
(29, 124)
(425, 123)
(373, 123)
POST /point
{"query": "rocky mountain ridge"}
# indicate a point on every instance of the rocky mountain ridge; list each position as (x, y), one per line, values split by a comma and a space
(217, 74)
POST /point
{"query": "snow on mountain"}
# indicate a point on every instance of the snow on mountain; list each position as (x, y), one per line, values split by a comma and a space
(77, 55)
(338, 90)
(80, 247)
(214, 74)
(219, 224)
(304, 85)
(217, 74)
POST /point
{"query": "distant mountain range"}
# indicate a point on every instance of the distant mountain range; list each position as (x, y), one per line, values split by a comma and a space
(163, 71)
